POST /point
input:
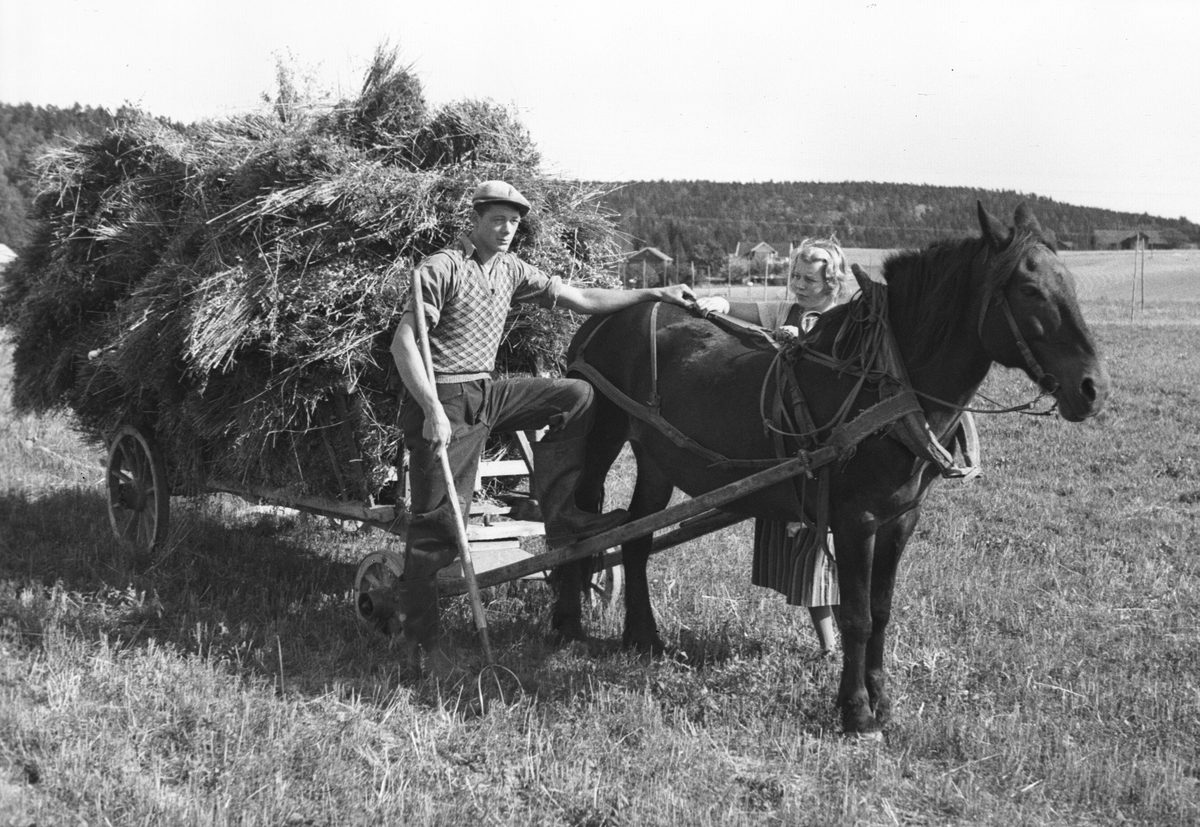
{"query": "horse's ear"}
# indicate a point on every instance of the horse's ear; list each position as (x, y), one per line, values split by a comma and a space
(865, 279)
(994, 233)
(1026, 220)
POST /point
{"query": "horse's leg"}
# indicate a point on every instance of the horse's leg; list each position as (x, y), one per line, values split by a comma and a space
(854, 541)
(605, 441)
(651, 494)
(890, 541)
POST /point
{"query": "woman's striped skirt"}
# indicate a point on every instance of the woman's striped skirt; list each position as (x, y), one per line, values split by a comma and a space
(790, 559)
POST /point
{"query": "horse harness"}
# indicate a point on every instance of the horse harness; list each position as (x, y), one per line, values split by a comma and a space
(786, 413)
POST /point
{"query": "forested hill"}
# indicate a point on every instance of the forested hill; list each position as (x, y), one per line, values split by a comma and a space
(25, 132)
(692, 221)
(702, 221)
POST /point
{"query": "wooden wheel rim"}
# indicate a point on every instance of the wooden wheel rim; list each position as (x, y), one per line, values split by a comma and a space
(378, 570)
(606, 584)
(138, 496)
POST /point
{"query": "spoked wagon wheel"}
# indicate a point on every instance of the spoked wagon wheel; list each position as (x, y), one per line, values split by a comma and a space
(138, 495)
(605, 585)
(378, 573)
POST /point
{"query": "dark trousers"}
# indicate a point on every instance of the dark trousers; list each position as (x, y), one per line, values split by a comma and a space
(475, 409)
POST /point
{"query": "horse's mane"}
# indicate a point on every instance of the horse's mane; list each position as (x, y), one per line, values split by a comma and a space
(931, 289)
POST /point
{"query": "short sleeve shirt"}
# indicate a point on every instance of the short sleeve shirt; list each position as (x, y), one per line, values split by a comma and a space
(466, 305)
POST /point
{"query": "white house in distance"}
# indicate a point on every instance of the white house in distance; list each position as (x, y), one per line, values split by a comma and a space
(6, 255)
(764, 250)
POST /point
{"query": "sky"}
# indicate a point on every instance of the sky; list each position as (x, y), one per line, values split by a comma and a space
(1091, 103)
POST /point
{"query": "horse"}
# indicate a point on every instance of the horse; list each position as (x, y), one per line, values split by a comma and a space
(954, 307)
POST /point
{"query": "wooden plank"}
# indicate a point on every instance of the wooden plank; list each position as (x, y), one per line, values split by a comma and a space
(450, 579)
(503, 468)
(479, 509)
(707, 523)
(502, 529)
(668, 516)
(496, 545)
(350, 510)
(524, 445)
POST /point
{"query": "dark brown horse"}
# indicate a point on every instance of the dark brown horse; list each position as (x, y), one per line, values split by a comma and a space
(955, 308)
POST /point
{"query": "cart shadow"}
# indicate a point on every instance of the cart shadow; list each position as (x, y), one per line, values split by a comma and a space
(271, 596)
(216, 568)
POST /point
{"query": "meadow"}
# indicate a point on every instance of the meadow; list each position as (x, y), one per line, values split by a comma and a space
(1116, 286)
(1044, 654)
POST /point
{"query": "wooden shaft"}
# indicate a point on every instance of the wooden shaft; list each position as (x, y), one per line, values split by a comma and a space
(717, 498)
(460, 531)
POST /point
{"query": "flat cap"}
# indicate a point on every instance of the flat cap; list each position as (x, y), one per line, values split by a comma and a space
(500, 192)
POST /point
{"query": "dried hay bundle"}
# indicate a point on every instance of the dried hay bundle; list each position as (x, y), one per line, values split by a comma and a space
(232, 281)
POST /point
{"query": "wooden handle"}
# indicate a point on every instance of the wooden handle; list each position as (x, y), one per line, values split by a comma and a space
(464, 547)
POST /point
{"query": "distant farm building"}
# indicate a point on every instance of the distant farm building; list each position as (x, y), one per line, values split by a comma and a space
(764, 250)
(1128, 239)
(6, 255)
(639, 265)
(650, 255)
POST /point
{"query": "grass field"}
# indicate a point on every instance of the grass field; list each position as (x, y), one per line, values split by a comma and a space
(1165, 287)
(1045, 653)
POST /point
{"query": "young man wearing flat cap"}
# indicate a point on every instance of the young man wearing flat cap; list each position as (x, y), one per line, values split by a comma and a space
(467, 290)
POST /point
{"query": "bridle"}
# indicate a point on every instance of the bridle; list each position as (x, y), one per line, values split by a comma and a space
(1048, 382)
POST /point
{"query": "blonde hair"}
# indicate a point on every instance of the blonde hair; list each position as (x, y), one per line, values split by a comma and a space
(834, 271)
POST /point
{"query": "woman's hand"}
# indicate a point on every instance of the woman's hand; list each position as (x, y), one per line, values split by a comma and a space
(787, 333)
(713, 304)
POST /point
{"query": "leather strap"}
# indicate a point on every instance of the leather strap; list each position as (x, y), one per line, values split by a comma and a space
(655, 401)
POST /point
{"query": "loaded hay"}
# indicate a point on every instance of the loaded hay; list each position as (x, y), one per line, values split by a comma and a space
(233, 287)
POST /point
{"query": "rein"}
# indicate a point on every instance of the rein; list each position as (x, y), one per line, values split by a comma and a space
(900, 407)
(1047, 382)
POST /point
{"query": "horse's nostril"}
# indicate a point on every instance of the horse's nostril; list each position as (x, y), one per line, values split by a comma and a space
(1088, 389)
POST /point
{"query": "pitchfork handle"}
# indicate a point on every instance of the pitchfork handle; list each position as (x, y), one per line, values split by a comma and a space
(460, 531)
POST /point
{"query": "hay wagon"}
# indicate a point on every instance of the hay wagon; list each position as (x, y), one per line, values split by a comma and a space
(503, 532)
(503, 529)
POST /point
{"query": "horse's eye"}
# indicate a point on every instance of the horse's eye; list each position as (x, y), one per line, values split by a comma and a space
(1031, 291)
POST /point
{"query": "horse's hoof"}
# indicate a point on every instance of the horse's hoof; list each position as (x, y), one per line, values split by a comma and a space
(567, 632)
(654, 648)
(872, 736)
(861, 724)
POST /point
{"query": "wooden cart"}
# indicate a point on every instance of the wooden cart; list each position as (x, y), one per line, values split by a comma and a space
(502, 534)
(138, 501)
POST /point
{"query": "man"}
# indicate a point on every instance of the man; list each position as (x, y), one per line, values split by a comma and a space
(467, 290)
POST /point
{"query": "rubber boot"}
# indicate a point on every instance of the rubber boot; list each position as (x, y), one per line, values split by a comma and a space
(417, 603)
(557, 467)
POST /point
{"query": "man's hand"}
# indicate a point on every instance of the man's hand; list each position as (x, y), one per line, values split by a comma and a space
(437, 430)
(677, 294)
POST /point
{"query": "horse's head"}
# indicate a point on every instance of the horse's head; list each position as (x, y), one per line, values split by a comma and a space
(1030, 319)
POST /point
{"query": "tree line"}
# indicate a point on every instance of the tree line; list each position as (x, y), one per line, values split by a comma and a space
(701, 222)
(695, 222)
(26, 131)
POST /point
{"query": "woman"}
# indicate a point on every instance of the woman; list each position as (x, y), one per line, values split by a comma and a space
(818, 279)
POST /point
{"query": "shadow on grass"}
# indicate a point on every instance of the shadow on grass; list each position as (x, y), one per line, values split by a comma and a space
(271, 598)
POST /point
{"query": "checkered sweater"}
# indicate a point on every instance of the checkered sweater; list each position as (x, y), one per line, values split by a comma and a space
(467, 305)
